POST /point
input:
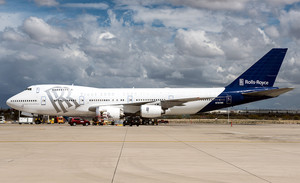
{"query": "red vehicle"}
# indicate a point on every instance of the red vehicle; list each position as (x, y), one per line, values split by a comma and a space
(78, 121)
(163, 121)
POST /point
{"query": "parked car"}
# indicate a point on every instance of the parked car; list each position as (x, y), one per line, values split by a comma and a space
(78, 121)
(163, 121)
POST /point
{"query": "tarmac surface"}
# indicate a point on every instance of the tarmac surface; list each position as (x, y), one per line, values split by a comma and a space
(165, 153)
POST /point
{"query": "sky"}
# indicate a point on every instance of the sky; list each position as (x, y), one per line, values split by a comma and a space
(149, 43)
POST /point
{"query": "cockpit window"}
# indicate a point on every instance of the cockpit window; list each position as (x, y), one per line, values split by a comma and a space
(29, 89)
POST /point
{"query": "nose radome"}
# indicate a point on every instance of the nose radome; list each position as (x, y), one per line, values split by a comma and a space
(8, 102)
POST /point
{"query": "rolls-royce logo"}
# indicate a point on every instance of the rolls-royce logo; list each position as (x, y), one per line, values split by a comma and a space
(241, 82)
(60, 95)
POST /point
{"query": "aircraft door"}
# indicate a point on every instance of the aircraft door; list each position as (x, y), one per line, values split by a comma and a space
(43, 100)
(228, 99)
(129, 98)
(81, 100)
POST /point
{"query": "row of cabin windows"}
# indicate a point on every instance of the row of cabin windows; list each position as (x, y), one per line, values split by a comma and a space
(70, 100)
(105, 100)
(138, 100)
(23, 100)
(142, 100)
(101, 100)
(206, 99)
(60, 89)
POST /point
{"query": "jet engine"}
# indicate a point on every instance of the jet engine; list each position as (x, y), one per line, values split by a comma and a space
(151, 111)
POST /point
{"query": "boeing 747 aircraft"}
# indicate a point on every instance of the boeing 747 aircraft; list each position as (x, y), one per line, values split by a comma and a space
(67, 100)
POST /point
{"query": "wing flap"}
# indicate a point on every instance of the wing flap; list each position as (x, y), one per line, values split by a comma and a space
(268, 93)
(165, 104)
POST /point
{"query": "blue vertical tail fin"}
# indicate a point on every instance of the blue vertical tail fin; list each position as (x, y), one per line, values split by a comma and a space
(263, 73)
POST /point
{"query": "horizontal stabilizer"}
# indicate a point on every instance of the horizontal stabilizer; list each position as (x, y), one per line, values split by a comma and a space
(268, 93)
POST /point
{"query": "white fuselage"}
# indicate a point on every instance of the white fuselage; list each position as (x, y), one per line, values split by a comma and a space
(69, 100)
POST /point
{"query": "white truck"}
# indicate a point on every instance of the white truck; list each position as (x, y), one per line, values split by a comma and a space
(2, 119)
(26, 120)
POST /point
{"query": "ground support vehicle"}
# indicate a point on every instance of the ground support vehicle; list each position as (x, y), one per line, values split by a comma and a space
(97, 121)
(26, 120)
(60, 120)
(132, 120)
(147, 121)
(41, 119)
(78, 121)
(2, 119)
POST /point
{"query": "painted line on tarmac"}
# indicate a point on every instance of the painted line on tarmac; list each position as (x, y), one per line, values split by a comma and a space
(142, 141)
(119, 157)
(233, 132)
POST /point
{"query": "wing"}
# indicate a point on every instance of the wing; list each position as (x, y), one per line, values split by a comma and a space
(180, 102)
(165, 104)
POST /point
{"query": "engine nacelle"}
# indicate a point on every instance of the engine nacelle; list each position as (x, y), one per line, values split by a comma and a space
(110, 112)
(151, 111)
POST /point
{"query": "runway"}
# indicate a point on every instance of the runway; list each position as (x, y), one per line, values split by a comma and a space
(167, 153)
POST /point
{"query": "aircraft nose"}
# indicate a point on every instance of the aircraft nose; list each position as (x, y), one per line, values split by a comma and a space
(9, 102)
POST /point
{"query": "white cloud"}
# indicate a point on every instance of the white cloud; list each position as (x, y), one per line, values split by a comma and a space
(26, 56)
(265, 37)
(46, 2)
(12, 35)
(10, 20)
(236, 5)
(176, 75)
(42, 32)
(272, 31)
(290, 23)
(281, 2)
(179, 18)
(196, 43)
(236, 49)
(106, 35)
(86, 5)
